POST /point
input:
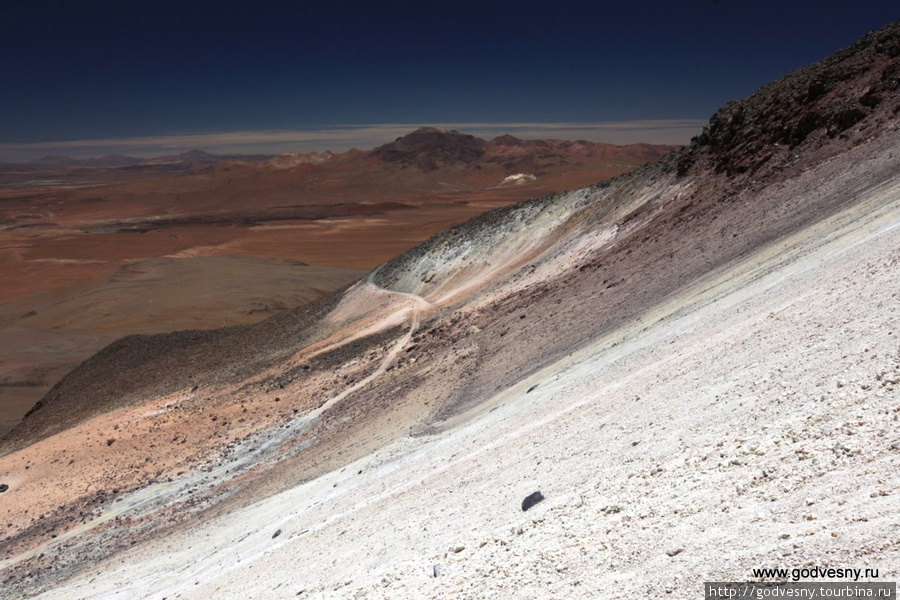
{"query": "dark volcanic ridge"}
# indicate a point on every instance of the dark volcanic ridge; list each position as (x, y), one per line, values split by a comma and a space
(811, 107)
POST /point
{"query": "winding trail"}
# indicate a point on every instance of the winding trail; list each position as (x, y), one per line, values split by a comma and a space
(419, 304)
(145, 499)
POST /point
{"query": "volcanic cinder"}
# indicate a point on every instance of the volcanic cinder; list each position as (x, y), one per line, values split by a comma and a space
(697, 365)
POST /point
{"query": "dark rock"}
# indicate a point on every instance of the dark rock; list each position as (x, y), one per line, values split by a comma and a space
(846, 119)
(806, 125)
(276, 534)
(816, 90)
(3, 487)
(531, 499)
(110, 441)
(532, 388)
(870, 98)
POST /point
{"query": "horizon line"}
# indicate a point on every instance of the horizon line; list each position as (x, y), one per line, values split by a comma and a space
(343, 137)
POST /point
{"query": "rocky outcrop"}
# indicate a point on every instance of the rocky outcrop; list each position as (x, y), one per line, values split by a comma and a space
(808, 107)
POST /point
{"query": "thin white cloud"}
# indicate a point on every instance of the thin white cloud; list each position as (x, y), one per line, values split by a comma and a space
(338, 138)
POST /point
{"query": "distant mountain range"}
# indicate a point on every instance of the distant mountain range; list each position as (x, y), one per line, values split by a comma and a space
(426, 148)
(429, 149)
(113, 161)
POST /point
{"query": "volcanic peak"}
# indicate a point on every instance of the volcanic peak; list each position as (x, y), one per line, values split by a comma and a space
(429, 149)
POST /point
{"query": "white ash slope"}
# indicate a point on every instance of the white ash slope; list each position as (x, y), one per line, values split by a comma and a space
(756, 427)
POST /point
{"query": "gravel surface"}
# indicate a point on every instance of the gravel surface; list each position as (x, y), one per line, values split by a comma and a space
(757, 430)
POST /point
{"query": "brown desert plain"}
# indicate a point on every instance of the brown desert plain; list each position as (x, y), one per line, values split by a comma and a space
(94, 250)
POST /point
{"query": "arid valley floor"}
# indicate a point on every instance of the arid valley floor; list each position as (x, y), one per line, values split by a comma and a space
(95, 250)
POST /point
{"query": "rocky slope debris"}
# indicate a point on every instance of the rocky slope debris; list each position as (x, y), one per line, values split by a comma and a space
(814, 104)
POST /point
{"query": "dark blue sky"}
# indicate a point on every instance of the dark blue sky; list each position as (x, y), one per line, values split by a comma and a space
(77, 70)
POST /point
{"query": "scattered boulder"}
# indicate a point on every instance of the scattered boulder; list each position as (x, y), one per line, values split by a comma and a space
(3, 487)
(436, 570)
(531, 499)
